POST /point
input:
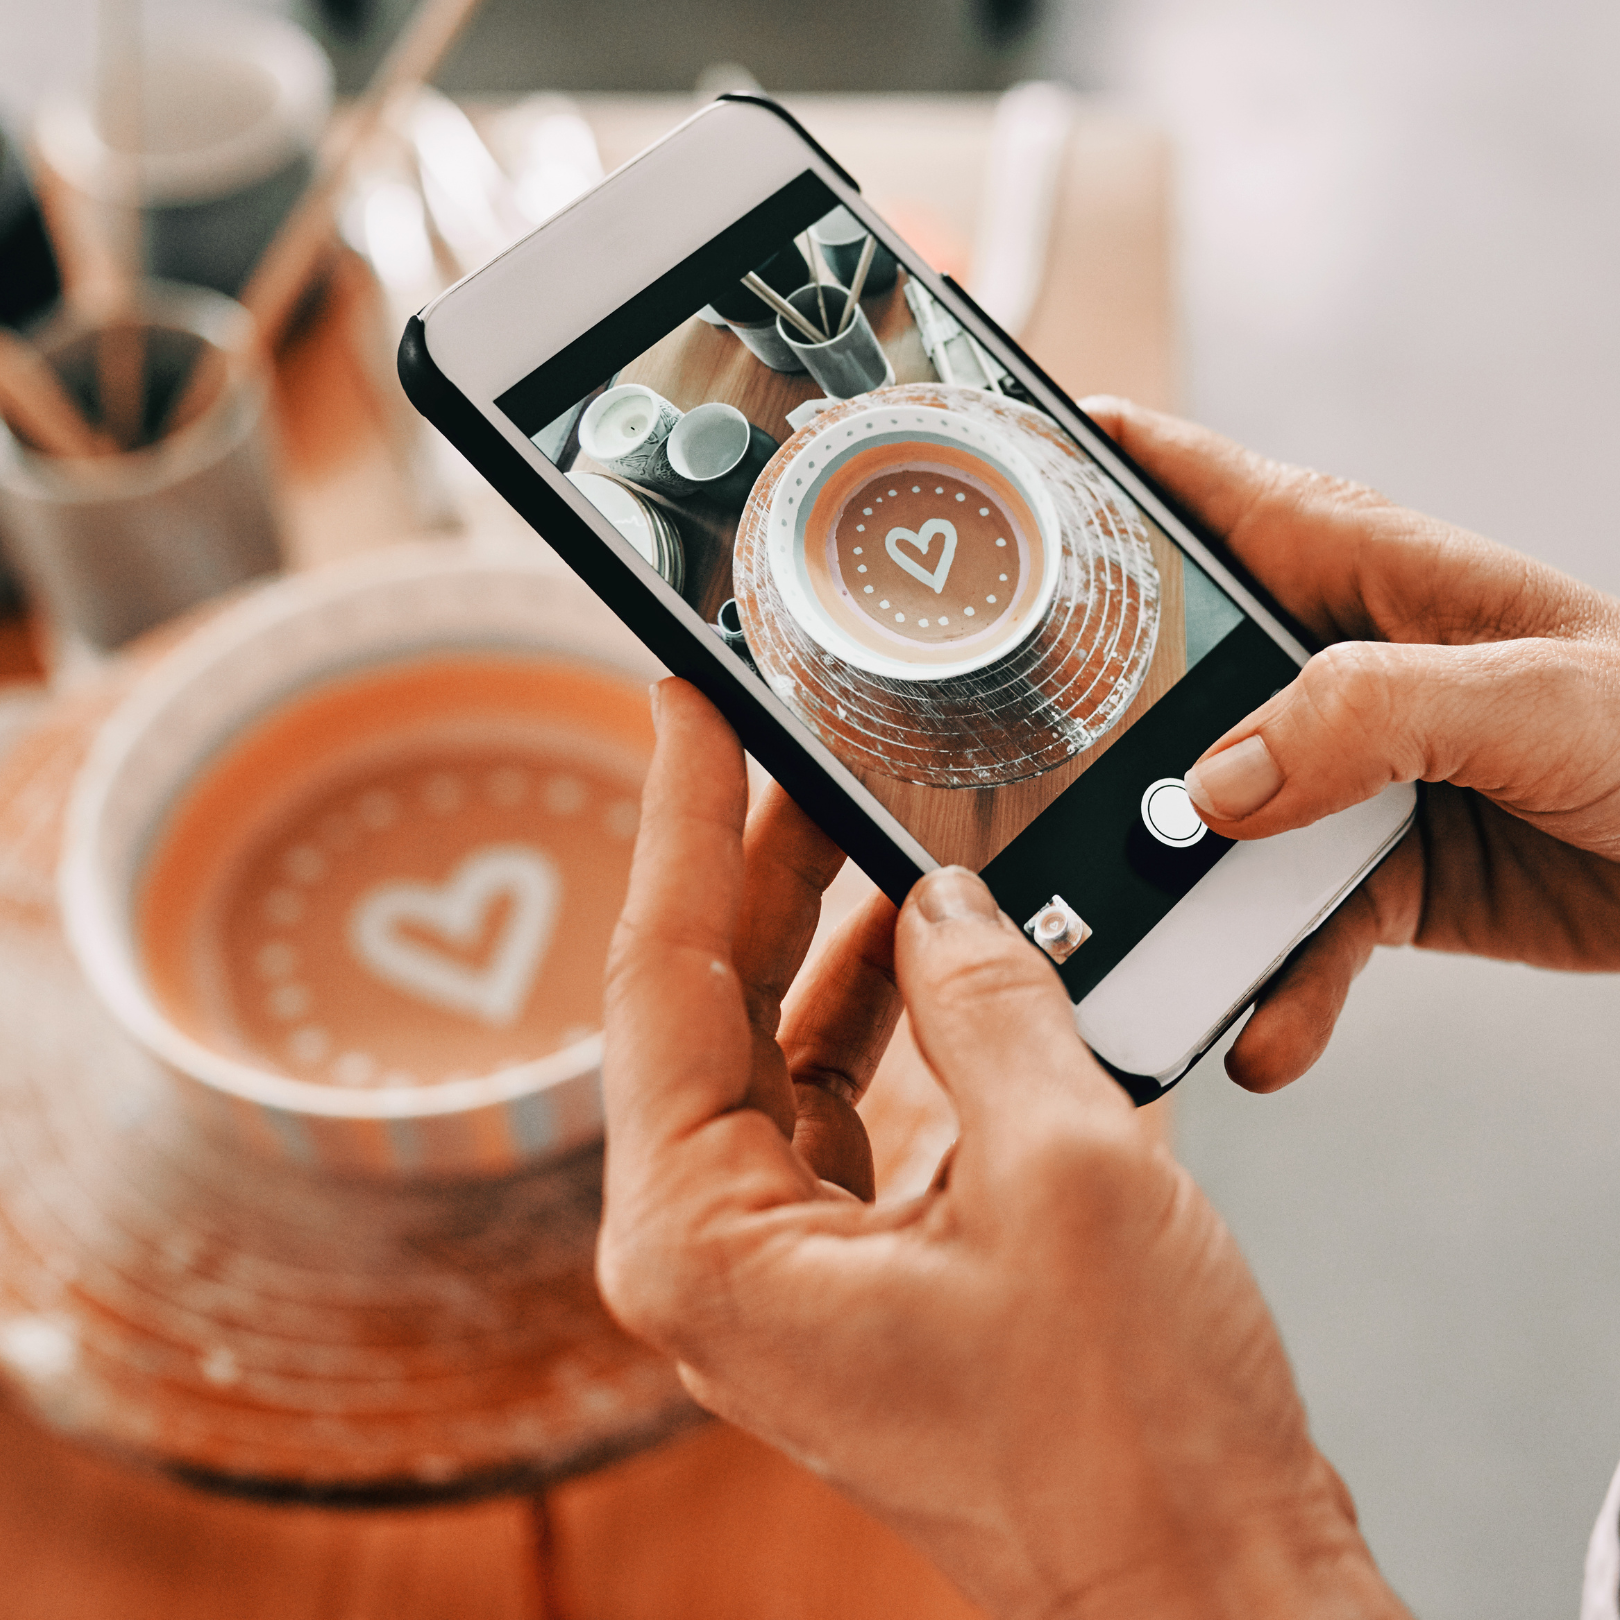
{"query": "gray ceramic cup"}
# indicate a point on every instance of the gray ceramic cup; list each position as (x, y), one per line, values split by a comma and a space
(851, 363)
(626, 430)
(841, 236)
(233, 107)
(721, 451)
(765, 344)
(111, 546)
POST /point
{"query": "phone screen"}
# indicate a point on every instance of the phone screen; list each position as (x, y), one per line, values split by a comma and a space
(935, 577)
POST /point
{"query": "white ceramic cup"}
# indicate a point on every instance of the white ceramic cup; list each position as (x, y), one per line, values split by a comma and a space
(232, 108)
(377, 610)
(627, 430)
(709, 442)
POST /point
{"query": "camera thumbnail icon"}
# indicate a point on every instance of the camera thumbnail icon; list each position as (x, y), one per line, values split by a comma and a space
(1058, 929)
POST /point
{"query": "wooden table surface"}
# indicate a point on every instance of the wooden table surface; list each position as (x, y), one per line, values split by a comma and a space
(711, 1524)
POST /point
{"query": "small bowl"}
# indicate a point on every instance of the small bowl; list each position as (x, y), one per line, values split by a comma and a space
(988, 498)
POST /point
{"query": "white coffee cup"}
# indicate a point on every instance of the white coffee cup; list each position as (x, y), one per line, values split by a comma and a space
(376, 610)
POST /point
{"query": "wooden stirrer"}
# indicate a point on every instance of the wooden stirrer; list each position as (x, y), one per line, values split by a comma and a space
(39, 408)
(857, 283)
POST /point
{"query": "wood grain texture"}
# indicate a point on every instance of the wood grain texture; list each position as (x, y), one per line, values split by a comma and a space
(83, 1536)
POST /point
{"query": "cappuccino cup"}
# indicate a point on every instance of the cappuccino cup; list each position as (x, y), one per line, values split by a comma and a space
(346, 862)
(913, 542)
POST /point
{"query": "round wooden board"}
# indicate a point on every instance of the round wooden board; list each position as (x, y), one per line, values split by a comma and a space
(255, 1327)
(1022, 716)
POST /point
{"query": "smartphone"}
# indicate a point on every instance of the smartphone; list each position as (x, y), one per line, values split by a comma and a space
(940, 606)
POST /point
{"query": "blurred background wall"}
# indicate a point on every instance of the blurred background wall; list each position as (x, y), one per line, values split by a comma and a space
(1400, 260)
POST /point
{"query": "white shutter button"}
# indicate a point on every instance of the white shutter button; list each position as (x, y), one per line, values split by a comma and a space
(1169, 814)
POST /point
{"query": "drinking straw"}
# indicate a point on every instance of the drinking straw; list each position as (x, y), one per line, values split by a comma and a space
(857, 283)
(295, 252)
(782, 307)
(813, 259)
(39, 407)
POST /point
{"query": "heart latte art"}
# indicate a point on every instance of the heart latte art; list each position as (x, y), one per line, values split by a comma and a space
(432, 902)
(415, 936)
(926, 555)
(902, 543)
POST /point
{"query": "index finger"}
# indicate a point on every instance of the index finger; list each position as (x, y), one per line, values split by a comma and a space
(678, 1048)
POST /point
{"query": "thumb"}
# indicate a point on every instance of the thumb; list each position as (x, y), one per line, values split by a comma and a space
(1523, 722)
(989, 1014)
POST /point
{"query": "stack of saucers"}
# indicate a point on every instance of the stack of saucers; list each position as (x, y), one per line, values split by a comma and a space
(641, 521)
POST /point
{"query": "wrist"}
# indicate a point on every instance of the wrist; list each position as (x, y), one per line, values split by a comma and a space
(1303, 1560)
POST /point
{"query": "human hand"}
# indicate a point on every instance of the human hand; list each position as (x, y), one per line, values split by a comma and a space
(1053, 1371)
(1452, 661)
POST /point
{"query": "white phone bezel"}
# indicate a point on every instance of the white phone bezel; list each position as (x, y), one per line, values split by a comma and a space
(496, 326)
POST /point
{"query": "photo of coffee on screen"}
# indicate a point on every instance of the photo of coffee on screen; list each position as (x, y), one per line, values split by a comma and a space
(405, 876)
(923, 559)
(937, 579)
(938, 572)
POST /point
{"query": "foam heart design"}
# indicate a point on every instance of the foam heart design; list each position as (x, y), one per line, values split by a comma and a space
(923, 540)
(494, 991)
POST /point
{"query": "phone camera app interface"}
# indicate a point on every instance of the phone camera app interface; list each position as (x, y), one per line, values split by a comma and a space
(937, 579)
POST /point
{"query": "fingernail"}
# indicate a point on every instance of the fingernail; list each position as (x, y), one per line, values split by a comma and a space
(954, 892)
(1235, 782)
(655, 697)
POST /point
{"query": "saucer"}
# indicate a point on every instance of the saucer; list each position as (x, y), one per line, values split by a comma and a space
(987, 484)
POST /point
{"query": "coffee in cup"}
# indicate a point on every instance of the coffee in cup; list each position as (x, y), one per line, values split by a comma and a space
(403, 876)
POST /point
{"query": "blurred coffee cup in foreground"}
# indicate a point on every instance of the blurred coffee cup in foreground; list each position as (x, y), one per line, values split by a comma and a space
(348, 859)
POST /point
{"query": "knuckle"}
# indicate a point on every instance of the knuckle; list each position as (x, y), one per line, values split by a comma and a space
(975, 977)
(1348, 688)
(645, 1285)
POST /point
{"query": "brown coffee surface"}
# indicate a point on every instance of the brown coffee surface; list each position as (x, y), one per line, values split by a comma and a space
(432, 900)
(960, 545)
